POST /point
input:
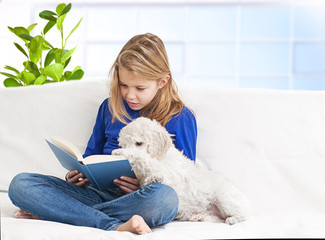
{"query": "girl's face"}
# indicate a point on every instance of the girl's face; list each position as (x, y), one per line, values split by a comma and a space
(136, 90)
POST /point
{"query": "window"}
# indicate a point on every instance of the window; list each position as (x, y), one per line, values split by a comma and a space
(235, 43)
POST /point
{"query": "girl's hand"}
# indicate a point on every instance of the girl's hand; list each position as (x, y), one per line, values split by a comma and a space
(77, 179)
(127, 184)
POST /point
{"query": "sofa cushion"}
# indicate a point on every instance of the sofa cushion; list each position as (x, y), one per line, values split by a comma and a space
(29, 115)
(270, 143)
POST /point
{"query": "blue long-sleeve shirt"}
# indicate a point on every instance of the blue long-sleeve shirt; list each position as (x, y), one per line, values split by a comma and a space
(105, 132)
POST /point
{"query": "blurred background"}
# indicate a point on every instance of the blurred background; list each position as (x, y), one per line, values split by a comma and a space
(259, 44)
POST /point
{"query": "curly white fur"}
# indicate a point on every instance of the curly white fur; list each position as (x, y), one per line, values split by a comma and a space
(203, 195)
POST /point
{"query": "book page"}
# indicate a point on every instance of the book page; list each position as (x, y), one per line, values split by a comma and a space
(67, 146)
(102, 158)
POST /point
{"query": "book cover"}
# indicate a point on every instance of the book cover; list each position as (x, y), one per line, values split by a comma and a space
(101, 175)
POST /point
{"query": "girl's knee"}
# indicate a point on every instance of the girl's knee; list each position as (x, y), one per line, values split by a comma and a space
(166, 196)
(162, 205)
(19, 181)
(19, 184)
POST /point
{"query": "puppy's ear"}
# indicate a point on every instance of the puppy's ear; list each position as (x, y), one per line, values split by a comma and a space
(160, 144)
(123, 137)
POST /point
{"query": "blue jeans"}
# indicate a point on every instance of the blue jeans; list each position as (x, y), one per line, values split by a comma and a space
(54, 199)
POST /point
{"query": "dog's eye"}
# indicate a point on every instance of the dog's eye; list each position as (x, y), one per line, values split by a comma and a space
(138, 144)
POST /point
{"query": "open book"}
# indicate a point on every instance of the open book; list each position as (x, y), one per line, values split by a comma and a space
(101, 170)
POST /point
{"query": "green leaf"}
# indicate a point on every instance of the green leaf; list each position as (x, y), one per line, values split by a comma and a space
(77, 75)
(49, 58)
(54, 71)
(8, 75)
(48, 44)
(31, 27)
(11, 29)
(21, 49)
(32, 67)
(67, 62)
(67, 75)
(20, 30)
(12, 69)
(74, 29)
(27, 77)
(35, 48)
(48, 15)
(48, 26)
(68, 54)
(45, 47)
(76, 68)
(57, 53)
(10, 82)
(48, 81)
(60, 8)
(26, 37)
(59, 22)
(66, 9)
(40, 80)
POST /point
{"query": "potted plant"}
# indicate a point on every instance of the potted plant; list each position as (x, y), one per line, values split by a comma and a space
(37, 69)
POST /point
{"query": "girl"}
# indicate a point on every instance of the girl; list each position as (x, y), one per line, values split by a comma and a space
(141, 85)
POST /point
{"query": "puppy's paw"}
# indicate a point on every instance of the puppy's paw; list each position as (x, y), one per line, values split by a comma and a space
(156, 179)
(195, 218)
(234, 219)
(151, 179)
(119, 151)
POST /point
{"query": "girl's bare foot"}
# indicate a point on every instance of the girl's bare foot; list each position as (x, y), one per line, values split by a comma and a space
(136, 224)
(26, 215)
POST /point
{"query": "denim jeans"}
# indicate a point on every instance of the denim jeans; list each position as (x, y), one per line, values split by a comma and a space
(54, 199)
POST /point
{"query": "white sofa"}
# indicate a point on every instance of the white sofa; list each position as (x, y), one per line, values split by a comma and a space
(270, 143)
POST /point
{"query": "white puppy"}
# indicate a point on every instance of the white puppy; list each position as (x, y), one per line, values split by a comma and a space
(203, 195)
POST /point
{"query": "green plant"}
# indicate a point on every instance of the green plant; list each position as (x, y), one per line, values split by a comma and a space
(37, 70)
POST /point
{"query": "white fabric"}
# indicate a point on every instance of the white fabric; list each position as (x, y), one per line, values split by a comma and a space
(29, 115)
(298, 225)
(270, 143)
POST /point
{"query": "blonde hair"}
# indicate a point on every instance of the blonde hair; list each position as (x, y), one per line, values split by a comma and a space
(145, 55)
